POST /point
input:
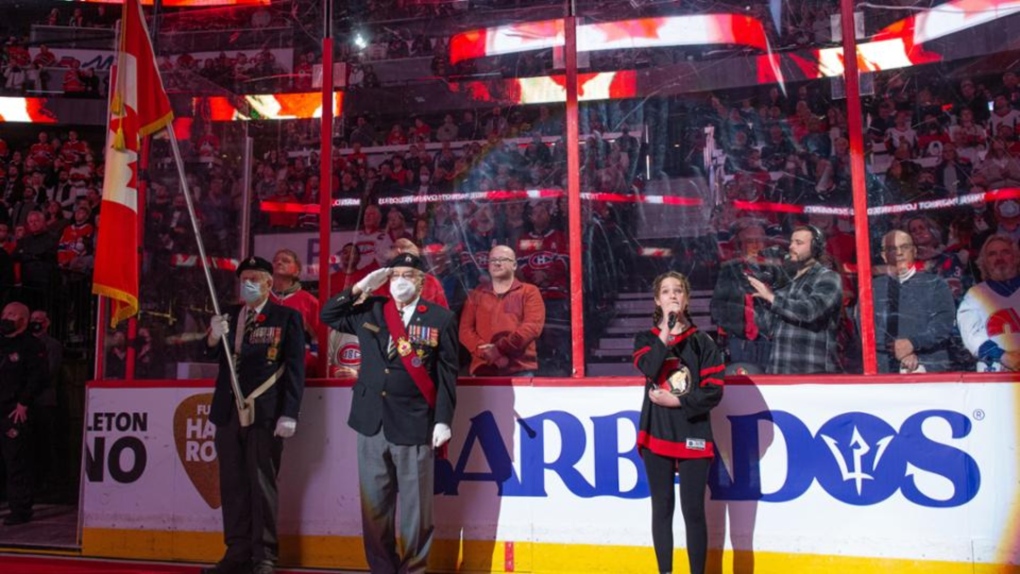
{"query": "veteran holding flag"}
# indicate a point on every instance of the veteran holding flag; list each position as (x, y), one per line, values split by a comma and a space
(268, 346)
(402, 407)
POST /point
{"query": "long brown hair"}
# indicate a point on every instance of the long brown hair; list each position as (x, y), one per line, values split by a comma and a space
(685, 284)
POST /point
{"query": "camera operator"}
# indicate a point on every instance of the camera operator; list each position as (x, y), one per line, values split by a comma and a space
(743, 319)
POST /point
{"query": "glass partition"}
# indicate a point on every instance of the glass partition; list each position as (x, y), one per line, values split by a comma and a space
(942, 133)
(246, 121)
(722, 133)
(450, 149)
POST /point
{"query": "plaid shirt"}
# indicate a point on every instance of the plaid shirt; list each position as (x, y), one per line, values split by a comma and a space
(805, 315)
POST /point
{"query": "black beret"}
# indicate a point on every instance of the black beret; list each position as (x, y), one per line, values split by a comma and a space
(406, 260)
(256, 263)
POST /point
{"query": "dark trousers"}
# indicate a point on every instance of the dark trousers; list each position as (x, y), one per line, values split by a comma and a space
(756, 352)
(17, 456)
(661, 471)
(249, 461)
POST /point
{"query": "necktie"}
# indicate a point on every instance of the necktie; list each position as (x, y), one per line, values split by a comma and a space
(249, 322)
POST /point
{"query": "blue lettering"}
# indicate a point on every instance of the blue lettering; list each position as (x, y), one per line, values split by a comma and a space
(798, 453)
(607, 457)
(572, 446)
(484, 431)
(955, 465)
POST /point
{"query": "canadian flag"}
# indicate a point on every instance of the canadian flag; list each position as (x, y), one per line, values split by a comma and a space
(138, 107)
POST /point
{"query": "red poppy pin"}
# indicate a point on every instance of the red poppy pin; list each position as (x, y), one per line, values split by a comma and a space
(422, 308)
(261, 318)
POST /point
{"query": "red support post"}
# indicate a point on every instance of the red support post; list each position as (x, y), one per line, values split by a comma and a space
(855, 125)
(577, 353)
(325, 191)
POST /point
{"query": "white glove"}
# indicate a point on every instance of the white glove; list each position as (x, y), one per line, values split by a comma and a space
(219, 326)
(374, 280)
(285, 427)
(441, 435)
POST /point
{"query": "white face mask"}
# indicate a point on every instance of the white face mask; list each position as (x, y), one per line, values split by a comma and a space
(402, 289)
(251, 291)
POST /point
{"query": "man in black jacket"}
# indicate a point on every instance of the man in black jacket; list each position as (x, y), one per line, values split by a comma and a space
(23, 375)
(403, 403)
(267, 344)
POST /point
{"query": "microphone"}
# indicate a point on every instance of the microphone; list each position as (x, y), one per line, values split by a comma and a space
(672, 320)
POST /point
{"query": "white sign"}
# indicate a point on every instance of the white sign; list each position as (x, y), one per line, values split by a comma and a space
(918, 472)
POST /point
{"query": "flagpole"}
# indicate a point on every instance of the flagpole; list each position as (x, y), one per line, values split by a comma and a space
(238, 397)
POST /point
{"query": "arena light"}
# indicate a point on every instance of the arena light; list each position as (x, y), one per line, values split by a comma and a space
(25, 110)
(687, 30)
(269, 106)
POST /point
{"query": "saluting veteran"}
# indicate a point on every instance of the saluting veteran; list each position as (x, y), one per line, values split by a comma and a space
(267, 343)
(403, 403)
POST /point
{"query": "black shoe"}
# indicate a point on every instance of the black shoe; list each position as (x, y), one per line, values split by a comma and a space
(17, 518)
(228, 567)
(264, 567)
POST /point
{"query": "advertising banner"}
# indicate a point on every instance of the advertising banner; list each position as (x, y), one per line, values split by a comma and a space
(916, 477)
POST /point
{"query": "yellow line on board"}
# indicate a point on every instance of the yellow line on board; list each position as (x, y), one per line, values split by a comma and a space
(480, 556)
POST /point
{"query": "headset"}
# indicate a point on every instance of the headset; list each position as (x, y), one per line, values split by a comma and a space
(817, 240)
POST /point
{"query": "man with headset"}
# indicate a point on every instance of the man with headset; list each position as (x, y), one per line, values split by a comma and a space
(805, 312)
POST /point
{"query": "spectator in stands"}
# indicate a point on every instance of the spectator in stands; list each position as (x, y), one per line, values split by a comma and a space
(974, 101)
(421, 132)
(776, 150)
(987, 314)
(969, 136)
(77, 19)
(37, 253)
(363, 133)
(55, 220)
(542, 261)
(932, 255)
(502, 320)
(29, 203)
(74, 82)
(902, 133)
(75, 248)
(931, 136)
(287, 291)
(346, 272)
(36, 74)
(742, 318)
(396, 137)
(17, 64)
(496, 123)
(952, 174)
(806, 311)
(914, 312)
(448, 130)
(371, 240)
(998, 169)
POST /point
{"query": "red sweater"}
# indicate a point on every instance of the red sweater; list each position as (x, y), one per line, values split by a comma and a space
(511, 321)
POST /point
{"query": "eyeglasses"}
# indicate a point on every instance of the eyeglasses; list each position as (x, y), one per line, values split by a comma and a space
(501, 260)
(898, 248)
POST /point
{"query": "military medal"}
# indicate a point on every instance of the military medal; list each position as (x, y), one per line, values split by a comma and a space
(404, 347)
(415, 362)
